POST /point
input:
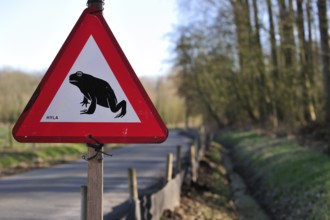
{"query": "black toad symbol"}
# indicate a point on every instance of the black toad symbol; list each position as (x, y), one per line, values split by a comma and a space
(97, 91)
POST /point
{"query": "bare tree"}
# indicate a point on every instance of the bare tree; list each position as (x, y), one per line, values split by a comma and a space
(323, 28)
(308, 107)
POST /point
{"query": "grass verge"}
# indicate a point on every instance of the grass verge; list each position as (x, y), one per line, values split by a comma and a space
(21, 159)
(290, 181)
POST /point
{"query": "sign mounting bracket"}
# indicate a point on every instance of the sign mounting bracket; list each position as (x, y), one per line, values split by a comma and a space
(97, 146)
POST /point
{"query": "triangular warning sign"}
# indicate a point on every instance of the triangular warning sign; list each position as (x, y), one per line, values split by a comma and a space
(90, 90)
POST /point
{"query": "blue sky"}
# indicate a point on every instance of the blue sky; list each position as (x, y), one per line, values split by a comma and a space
(33, 31)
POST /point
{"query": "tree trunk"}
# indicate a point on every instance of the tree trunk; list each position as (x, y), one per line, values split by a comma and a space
(262, 85)
(287, 37)
(323, 28)
(310, 60)
(275, 66)
(245, 47)
(308, 107)
(289, 100)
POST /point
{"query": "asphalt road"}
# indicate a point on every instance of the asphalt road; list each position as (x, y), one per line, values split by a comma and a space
(54, 193)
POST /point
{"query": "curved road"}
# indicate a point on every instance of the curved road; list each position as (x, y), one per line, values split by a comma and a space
(54, 193)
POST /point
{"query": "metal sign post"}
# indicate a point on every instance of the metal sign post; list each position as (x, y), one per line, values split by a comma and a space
(98, 4)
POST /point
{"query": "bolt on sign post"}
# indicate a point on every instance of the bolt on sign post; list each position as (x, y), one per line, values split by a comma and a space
(90, 94)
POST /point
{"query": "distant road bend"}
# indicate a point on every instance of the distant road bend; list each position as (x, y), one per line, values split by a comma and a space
(54, 193)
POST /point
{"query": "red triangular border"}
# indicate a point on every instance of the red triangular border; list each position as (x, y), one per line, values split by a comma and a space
(28, 127)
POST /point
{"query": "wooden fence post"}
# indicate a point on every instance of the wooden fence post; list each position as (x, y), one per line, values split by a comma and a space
(192, 154)
(134, 192)
(193, 163)
(133, 183)
(178, 158)
(169, 167)
(207, 140)
(83, 205)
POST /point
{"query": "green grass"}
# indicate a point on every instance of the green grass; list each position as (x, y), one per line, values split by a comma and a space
(41, 156)
(28, 155)
(5, 130)
(220, 185)
(4, 136)
(291, 181)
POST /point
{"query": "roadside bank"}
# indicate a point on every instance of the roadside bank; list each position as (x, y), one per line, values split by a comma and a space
(288, 180)
(218, 193)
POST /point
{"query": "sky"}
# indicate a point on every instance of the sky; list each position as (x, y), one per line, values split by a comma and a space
(32, 32)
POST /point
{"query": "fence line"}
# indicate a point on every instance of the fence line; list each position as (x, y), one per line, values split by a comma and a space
(149, 205)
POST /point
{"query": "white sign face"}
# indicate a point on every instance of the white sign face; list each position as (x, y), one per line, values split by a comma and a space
(90, 92)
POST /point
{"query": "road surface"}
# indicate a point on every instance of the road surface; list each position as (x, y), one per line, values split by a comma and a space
(54, 193)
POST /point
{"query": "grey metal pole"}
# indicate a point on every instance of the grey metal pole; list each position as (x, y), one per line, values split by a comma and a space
(98, 4)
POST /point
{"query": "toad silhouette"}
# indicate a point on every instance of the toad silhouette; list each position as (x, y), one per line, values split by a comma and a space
(97, 91)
